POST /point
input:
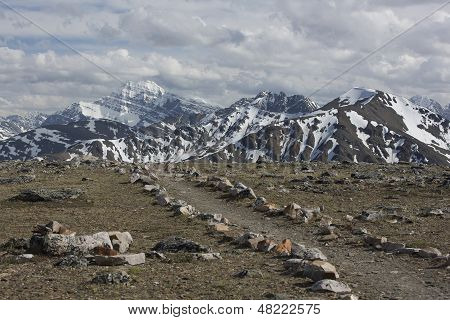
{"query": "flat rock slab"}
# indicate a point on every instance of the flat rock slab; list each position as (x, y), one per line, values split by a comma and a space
(37, 195)
(328, 285)
(119, 260)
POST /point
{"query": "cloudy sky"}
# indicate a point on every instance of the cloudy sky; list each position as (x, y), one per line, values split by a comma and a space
(219, 50)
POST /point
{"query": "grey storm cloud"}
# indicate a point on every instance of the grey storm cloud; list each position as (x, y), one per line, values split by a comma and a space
(220, 50)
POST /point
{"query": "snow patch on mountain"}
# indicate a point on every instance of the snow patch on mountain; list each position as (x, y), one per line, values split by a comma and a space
(355, 95)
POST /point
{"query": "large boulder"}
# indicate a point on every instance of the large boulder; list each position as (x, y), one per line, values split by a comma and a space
(59, 244)
(319, 270)
(121, 241)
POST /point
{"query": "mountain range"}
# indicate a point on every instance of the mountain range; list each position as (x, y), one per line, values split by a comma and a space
(144, 123)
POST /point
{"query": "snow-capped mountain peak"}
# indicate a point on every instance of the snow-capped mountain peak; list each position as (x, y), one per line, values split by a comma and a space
(148, 89)
(136, 104)
(355, 95)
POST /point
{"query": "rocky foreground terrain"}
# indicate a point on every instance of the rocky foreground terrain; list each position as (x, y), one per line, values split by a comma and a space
(106, 230)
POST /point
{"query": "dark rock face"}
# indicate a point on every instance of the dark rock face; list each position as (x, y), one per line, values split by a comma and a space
(178, 244)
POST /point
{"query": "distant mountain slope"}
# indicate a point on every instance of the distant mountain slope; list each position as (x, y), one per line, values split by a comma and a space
(15, 124)
(362, 125)
(53, 139)
(136, 104)
(432, 105)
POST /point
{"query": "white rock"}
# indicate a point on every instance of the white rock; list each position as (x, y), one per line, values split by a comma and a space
(123, 259)
(331, 286)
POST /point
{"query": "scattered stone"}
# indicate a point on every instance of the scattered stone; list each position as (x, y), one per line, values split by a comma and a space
(328, 237)
(432, 213)
(375, 242)
(178, 203)
(360, 231)
(186, 210)
(441, 262)
(348, 297)
(319, 270)
(328, 285)
(111, 278)
(24, 257)
(292, 210)
(178, 244)
(16, 246)
(155, 254)
(240, 191)
(249, 240)
(152, 188)
(248, 273)
(212, 217)
(219, 227)
(295, 267)
(52, 227)
(301, 252)
(392, 246)
(122, 259)
(277, 296)
(266, 245)
(261, 205)
(309, 213)
(17, 180)
(163, 199)
(370, 215)
(406, 250)
(37, 195)
(134, 177)
(429, 253)
(349, 218)
(72, 261)
(105, 251)
(284, 248)
(224, 185)
(121, 241)
(207, 256)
